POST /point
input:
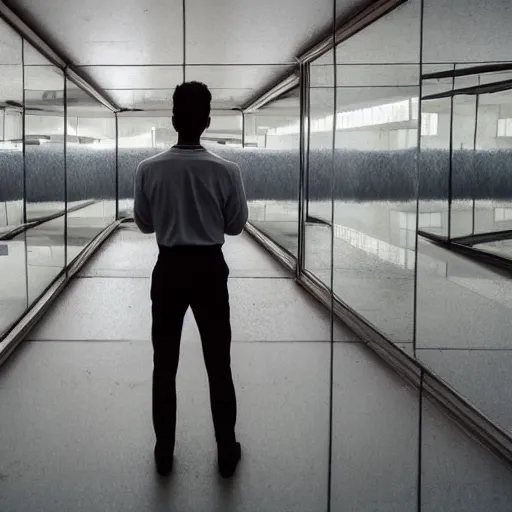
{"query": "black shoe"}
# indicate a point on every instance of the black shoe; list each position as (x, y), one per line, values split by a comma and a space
(229, 456)
(163, 459)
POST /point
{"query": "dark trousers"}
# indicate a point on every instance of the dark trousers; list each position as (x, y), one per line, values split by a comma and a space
(194, 276)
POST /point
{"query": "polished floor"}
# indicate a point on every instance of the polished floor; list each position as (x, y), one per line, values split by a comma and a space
(75, 428)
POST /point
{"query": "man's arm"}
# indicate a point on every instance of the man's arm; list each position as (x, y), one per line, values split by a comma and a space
(141, 208)
(236, 212)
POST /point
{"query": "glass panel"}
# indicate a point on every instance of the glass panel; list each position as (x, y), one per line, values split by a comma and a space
(11, 130)
(464, 326)
(376, 176)
(91, 169)
(463, 143)
(318, 214)
(271, 166)
(13, 287)
(434, 171)
(45, 174)
(139, 138)
(493, 208)
(463, 323)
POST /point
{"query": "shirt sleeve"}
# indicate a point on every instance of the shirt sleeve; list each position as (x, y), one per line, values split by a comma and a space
(141, 207)
(236, 212)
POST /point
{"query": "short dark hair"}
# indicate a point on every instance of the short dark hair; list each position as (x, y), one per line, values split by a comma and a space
(191, 107)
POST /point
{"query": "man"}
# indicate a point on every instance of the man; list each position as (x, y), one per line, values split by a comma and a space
(190, 198)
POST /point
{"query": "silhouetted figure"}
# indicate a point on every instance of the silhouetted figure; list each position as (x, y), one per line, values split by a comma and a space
(190, 198)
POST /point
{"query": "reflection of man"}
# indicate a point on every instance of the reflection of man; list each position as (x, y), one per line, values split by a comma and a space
(190, 198)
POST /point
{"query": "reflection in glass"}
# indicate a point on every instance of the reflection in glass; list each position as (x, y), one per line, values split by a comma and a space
(376, 176)
(493, 208)
(13, 288)
(434, 163)
(464, 321)
(270, 166)
(463, 309)
(318, 229)
(91, 169)
(139, 138)
(44, 175)
(463, 144)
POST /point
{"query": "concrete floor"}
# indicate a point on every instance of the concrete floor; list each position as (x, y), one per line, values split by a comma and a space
(75, 427)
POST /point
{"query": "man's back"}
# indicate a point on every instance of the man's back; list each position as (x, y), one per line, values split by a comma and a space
(189, 197)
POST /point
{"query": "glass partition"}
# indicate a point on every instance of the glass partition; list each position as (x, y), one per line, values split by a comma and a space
(56, 194)
(44, 172)
(271, 169)
(13, 279)
(434, 160)
(139, 138)
(469, 84)
(464, 112)
(376, 172)
(463, 319)
(319, 170)
(493, 151)
(406, 170)
(90, 168)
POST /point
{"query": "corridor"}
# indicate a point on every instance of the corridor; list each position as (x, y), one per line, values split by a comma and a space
(76, 430)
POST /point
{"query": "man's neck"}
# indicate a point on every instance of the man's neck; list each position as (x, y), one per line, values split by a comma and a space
(183, 141)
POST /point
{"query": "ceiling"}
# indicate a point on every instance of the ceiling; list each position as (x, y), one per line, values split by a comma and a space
(138, 51)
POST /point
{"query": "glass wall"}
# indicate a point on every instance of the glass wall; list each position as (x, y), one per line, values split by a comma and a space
(57, 173)
(463, 321)
(271, 169)
(376, 172)
(139, 138)
(318, 174)
(405, 158)
(435, 163)
(91, 169)
(44, 170)
(13, 272)
(400, 156)
(469, 89)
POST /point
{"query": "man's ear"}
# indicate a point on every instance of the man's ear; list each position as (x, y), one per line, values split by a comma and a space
(208, 122)
(174, 123)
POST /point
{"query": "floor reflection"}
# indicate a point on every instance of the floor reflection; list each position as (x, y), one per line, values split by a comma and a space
(464, 329)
